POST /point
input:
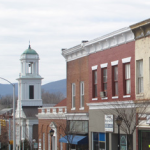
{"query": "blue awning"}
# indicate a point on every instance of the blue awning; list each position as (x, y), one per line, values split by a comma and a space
(74, 139)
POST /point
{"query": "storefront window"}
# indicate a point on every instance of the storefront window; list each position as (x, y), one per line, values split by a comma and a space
(99, 141)
(79, 126)
(95, 141)
(144, 140)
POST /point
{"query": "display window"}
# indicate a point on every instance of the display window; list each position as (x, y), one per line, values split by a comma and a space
(99, 141)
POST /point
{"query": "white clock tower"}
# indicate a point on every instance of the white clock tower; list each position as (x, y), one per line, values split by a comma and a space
(29, 96)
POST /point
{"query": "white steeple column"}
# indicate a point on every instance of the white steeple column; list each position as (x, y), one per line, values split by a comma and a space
(29, 79)
(29, 132)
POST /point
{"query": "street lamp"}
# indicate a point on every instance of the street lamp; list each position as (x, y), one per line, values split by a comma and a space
(51, 134)
(118, 122)
(33, 142)
(14, 124)
(22, 143)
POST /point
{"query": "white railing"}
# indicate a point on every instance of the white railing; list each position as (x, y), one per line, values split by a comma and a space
(53, 110)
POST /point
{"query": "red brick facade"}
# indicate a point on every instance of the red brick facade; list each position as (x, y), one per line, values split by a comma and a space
(44, 127)
(108, 56)
(77, 71)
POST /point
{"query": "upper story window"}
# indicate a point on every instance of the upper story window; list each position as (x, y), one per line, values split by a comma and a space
(127, 79)
(115, 81)
(95, 83)
(30, 67)
(73, 94)
(31, 91)
(140, 76)
(104, 81)
(78, 126)
(81, 94)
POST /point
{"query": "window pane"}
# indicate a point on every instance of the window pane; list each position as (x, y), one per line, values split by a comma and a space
(105, 75)
(127, 71)
(116, 88)
(128, 90)
(95, 141)
(82, 101)
(31, 92)
(140, 75)
(115, 73)
(102, 145)
(82, 88)
(73, 89)
(95, 90)
(140, 85)
(140, 68)
(105, 86)
(73, 95)
(95, 77)
(73, 101)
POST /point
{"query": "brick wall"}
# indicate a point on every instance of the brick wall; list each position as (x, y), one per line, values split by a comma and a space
(44, 127)
(77, 71)
(107, 56)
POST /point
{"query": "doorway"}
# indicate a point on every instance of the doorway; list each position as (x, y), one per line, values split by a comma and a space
(144, 140)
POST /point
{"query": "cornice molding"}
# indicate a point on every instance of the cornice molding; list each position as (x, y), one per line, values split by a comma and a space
(108, 41)
(111, 105)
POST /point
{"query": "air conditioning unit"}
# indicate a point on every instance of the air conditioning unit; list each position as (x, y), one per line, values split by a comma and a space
(102, 94)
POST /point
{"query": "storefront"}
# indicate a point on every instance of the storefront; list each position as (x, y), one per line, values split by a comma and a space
(144, 139)
(77, 142)
(101, 141)
(77, 135)
(103, 132)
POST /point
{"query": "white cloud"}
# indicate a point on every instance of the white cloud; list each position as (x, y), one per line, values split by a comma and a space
(51, 25)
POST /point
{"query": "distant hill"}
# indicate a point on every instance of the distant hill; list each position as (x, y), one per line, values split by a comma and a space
(52, 87)
(57, 86)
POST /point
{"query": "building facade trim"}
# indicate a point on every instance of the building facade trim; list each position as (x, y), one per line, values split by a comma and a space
(108, 41)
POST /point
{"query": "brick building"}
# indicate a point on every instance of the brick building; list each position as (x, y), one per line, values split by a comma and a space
(52, 118)
(104, 75)
(141, 32)
(112, 79)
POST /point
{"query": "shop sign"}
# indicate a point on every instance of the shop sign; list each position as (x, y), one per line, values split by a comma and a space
(109, 123)
(148, 119)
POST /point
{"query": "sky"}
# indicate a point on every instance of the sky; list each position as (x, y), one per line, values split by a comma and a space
(51, 25)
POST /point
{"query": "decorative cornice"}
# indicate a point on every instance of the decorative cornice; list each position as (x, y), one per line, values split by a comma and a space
(111, 105)
(108, 41)
(31, 102)
(141, 29)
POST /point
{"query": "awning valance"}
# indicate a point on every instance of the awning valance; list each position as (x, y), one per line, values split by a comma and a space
(74, 139)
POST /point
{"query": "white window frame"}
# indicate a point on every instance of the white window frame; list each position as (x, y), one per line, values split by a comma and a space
(127, 78)
(73, 94)
(43, 141)
(81, 94)
(140, 76)
(48, 141)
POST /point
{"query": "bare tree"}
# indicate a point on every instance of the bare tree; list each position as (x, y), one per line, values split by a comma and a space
(51, 98)
(7, 101)
(132, 114)
(69, 127)
(4, 134)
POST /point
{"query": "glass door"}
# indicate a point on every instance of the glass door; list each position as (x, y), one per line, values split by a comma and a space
(123, 142)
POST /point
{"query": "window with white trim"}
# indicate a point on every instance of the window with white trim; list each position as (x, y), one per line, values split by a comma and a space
(48, 141)
(127, 79)
(73, 94)
(104, 81)
(140, 76)
(115, 81)
(43, 141)
(81, 94)
(94, 83)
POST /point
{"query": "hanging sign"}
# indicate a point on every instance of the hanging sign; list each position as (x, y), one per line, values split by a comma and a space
(109, 123)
